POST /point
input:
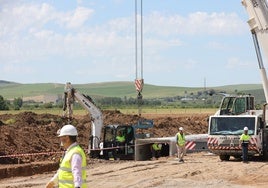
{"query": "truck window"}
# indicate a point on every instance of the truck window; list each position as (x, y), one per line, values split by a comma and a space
(231, 125)
(109, 134)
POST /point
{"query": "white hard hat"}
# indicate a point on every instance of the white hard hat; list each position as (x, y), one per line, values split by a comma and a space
(181, 129)
(245, 128)
(68, 130)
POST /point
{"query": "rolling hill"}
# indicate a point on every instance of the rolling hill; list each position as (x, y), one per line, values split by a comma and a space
(11, 90)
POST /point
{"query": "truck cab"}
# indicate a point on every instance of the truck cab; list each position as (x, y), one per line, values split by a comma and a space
(225, 128)
(234, 105)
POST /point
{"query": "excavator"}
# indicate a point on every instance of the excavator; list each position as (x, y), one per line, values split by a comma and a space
(108, 146)
(104, 142)
(237, 112)
(70, 96)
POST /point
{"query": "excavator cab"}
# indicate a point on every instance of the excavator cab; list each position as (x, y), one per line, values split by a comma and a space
(118, 142)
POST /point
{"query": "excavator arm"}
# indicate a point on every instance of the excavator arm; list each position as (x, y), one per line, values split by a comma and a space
(70, 96)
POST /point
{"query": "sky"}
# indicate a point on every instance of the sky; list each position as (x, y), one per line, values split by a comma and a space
(191, 43)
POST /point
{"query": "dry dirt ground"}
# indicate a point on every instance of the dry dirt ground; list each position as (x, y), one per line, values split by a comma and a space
(35, 135)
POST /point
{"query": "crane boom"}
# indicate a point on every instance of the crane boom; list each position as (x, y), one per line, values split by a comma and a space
(258, 23)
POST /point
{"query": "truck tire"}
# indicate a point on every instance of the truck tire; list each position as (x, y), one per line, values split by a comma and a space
(265, 155)
(225, 157)
(237, 156)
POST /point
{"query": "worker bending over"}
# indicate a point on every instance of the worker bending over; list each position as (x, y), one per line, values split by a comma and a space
(156, 150)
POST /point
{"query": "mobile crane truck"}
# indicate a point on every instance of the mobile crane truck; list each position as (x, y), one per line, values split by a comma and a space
(236, 112)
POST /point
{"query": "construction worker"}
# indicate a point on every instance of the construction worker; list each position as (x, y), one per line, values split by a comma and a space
(180, 137)
(72, 170)
(244, 141)
(120, 137)
(156, 150)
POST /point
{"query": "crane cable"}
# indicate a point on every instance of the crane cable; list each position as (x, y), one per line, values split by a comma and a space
(139, 82)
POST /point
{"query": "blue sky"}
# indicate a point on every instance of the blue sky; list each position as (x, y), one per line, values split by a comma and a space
(89, 41)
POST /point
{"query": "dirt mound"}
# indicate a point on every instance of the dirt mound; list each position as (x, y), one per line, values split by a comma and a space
(34, 135)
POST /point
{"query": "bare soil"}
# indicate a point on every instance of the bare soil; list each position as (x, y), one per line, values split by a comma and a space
(35, 136)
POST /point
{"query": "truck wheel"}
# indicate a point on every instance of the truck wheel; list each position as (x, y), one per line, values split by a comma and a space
(237, 156)
(265, 155)
(225, 157)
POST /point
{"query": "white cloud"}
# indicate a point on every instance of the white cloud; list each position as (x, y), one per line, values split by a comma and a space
(200, 23)
(236, 63)
(16, 69)
(35, 32)
(78, 17)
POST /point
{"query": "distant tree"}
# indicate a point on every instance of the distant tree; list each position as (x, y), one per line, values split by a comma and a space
(3, 104)
(17, 103)
(199, 93)
(211, 92)
(48, 105)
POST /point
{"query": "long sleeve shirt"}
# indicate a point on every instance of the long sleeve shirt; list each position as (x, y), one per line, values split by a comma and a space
(76, 165)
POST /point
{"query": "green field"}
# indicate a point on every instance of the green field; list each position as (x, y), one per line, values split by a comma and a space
(131, 111)
(119, 89)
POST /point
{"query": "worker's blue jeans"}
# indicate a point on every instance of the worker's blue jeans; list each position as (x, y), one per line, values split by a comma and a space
(245, 152)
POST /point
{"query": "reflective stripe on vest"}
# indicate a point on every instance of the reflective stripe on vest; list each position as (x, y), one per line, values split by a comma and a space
(65, 171)
(245, 138)
(181, 139)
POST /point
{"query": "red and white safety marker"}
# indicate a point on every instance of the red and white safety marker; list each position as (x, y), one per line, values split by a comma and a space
(190, 145)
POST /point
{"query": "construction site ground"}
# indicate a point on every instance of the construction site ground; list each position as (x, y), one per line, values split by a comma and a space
(30, 152)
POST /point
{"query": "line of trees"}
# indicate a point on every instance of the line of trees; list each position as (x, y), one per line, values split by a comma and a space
(6, 105)
(193, 101)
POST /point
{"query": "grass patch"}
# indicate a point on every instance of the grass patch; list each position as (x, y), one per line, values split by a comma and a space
(131, 111)
(9, 121)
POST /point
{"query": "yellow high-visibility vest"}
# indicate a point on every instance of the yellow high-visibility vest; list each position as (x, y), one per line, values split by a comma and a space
(120, 138)
(65, 171)
(181, 139)
(245, 138)
(156, 147)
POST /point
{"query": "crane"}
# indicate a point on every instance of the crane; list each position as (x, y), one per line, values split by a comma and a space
(236, 112)
(258, 23)
(139, 81)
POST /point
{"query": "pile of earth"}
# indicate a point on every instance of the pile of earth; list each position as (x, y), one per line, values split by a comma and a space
(35, 135)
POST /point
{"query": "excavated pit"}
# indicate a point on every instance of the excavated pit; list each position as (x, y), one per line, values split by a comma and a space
(29, 143)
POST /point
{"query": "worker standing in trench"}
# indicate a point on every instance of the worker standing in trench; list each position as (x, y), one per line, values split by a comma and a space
(156, 150)
(72, 170)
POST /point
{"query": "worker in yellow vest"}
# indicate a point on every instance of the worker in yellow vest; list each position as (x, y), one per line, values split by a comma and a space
(120, 140)
(156, 150)
(180, 137)
(72, 170)
(120, 137)
(244, 141)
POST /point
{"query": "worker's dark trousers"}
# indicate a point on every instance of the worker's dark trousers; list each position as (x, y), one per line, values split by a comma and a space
(245, 151)
(156, 153)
